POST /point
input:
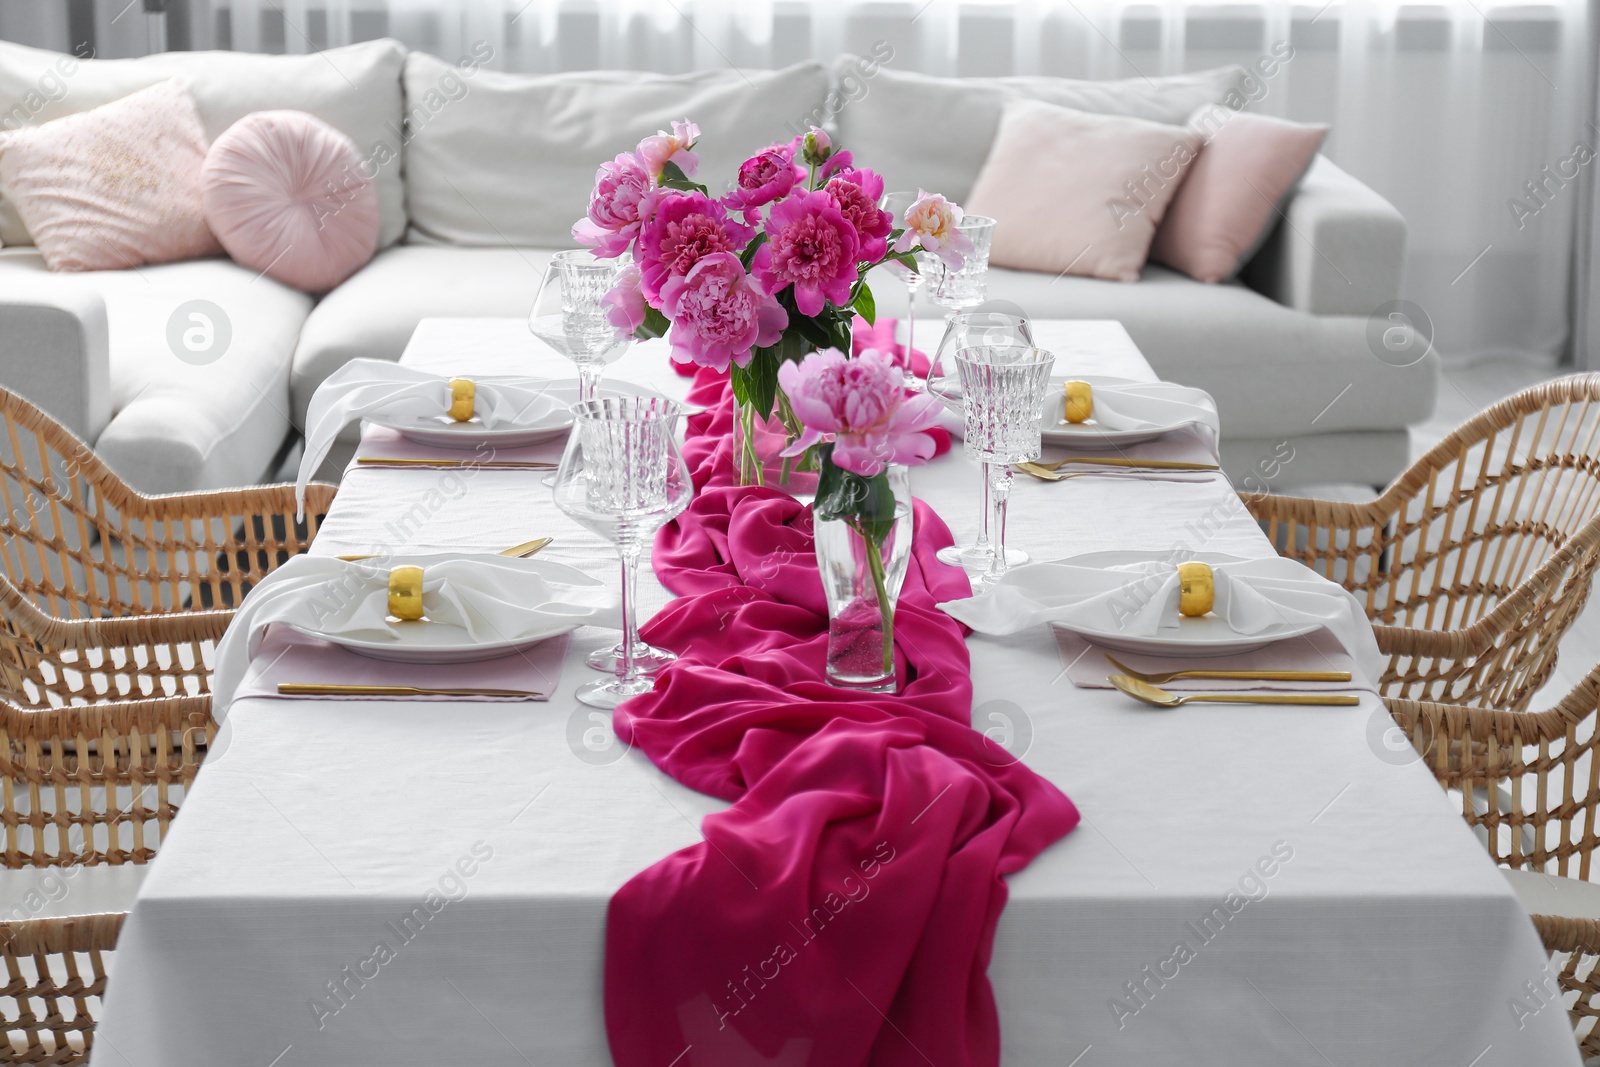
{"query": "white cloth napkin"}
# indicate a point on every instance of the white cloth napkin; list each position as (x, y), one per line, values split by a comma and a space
(493, 598)
(365, 387)
(1141, 600)
(1139, 405)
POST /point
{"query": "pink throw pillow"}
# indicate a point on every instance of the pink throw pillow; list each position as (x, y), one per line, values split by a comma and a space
(1229, 202)
(114, 187)
(287, 195)
(1078, 193)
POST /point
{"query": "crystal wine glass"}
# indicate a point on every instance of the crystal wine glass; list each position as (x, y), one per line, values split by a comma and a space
(897, 204)
(968, 287)
(993, 323)
(1002, 391)
(569, 315)
(623, 477)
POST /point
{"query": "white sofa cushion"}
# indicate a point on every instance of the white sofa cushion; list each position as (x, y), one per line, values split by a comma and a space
(918, 130)
(513, 158)
(372, 315)
(182, 424)
(1275, 372)
(355, 89)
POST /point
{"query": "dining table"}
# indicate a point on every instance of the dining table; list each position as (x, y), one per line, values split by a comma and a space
(1333, 907)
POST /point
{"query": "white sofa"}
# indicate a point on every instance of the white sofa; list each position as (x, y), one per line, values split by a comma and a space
(481, 175)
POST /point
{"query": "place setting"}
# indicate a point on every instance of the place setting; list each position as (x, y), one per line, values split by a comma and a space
(1207, 628)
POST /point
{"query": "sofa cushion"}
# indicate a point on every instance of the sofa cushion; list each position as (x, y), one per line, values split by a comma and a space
(355, 89)
(214, 417)
(512, 159)
(1274, 372)
(1078, 193)
(372, 315)
(918, 130)
(114, 187)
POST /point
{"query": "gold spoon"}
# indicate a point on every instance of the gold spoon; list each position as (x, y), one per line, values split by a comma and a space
(1250, 676)
(377, 462)
(522, 551)
(313, 689)
(1149, 694)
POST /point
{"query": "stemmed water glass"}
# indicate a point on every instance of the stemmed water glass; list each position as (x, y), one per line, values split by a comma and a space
(968, 287)
(979, 328)
(569, 314)
(1002, 391)
(897, 204)
(623, 477)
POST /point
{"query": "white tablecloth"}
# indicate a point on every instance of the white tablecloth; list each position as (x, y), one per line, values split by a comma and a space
(479, 844)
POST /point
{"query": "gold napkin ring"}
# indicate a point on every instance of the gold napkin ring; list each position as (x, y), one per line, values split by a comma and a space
(463, 399)
(1196, 590)
(1078, 404)
(405, 593)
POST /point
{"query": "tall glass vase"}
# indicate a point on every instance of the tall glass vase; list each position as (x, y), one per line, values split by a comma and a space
(758, 443)
(863, 564)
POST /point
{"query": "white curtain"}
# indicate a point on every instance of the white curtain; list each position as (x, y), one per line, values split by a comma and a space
(1476, 119)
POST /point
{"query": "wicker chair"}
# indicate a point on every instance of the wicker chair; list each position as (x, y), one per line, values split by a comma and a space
(1477, 559)
(46, 662)
(81, 543)
(80, 788)
(1529, 785)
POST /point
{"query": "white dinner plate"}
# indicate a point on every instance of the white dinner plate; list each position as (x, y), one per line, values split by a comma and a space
(1089, 435)
(439, 642)
(1208, 635)
(441, 431)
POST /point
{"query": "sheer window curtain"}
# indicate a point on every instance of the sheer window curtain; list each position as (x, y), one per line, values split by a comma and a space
(1476, 118)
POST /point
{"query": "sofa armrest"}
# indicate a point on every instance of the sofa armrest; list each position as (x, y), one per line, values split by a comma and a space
(1339, 248)
(54, 350)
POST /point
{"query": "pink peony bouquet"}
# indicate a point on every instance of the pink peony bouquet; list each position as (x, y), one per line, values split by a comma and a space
(750, 282)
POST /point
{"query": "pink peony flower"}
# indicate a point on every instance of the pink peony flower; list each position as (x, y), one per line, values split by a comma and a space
(663, 148)
(931, 222)
(857, 193)
(616, 207)
(624, 302)
(766, 176)
(815, 146)
(682, 229)
(719, 313)
(861, 405)
(837, 162)
(812, 246)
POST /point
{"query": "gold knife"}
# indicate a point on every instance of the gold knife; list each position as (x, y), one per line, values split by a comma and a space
(378, 462)
(522, 551)
(309, 689)
(1120, 461)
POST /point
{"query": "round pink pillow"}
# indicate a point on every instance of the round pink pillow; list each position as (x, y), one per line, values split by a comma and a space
(288, 195)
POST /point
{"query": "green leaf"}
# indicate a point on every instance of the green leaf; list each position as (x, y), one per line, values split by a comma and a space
(655, 325)
(756, 384)
(865, 305)
(673, 177)
(908, 259)
(813, 330)
(749, 252)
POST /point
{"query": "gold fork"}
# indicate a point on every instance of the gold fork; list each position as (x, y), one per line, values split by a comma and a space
(1124, 461)
(1045, 474)
(1249, 676)
(307, 689)
(522, 551)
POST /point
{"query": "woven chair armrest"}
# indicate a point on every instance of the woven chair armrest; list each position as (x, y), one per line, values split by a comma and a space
(251, 501)
(1562, 934)
(132, 631)
(177, 714)
(69, 933)
(1326, 514)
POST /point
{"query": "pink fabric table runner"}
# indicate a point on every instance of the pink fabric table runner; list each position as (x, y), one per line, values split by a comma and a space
(843, 910)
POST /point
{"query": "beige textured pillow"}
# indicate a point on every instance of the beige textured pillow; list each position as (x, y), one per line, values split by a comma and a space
(115, 187)
(1078, 193)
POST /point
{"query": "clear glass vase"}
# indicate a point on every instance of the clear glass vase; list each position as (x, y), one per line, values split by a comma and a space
(758, 444)
(863, 565)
